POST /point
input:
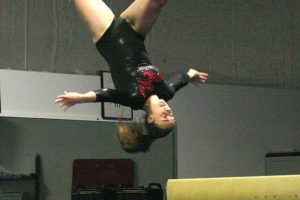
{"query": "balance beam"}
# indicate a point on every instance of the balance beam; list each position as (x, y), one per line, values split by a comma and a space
(235, 188)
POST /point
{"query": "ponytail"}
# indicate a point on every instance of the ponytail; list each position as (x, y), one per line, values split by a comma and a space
(131, 137)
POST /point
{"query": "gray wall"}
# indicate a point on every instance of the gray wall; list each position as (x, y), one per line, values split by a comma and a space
(238, 42)
(59, 142)
(227, 130)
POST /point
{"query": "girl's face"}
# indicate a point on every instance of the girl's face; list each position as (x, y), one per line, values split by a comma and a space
(161, 114)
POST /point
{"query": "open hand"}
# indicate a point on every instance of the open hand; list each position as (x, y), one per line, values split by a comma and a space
(68, 99)
(197, 77)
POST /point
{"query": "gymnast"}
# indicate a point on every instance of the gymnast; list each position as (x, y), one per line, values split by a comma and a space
(138, 83)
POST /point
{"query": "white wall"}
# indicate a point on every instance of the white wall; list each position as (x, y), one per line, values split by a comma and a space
(227, 130)
(32, 94)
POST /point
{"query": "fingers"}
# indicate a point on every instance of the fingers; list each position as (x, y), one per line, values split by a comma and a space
(203, 74)
(200, 77)
(63, 97)
(62, 101)
(203, 77)
(59, 99)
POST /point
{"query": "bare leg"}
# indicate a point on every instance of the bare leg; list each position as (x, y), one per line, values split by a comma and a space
(142, 14)
(96, 14)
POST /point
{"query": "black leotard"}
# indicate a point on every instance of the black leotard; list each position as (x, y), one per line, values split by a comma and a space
(134, 76)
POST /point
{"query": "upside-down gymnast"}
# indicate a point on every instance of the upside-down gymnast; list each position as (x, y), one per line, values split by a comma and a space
(139, 84)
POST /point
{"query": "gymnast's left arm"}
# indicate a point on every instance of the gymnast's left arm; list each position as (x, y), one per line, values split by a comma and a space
(182, 79)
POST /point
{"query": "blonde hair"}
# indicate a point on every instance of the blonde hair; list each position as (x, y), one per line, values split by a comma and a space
(131, 137)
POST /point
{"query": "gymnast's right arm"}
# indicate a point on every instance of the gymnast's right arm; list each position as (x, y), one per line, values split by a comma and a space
(69, 99)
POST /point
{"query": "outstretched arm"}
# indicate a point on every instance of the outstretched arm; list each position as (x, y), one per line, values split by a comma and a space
(182, 79)
(69, 99)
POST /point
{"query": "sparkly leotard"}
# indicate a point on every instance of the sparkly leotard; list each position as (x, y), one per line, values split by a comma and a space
(134, 76)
